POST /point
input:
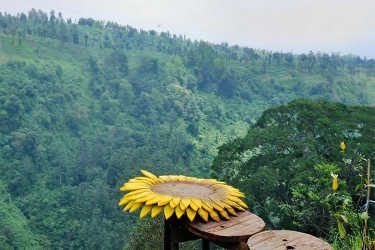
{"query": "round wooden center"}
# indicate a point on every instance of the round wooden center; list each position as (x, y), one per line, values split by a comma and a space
(183, 189)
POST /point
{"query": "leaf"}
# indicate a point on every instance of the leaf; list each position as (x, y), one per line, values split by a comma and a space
(365, 216)
(359, 159)
(344, 218)
(370, 185)
(341, 228)
(345, 203)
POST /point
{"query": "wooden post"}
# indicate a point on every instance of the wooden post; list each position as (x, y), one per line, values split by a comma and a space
(364, 237)
(167, 235)
(174, 233)
(205, 244)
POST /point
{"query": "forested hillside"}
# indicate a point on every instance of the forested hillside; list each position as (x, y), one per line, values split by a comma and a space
(84, 105)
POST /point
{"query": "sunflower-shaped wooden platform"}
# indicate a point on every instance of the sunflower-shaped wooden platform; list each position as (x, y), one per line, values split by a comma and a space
(209, 198)
(179, 195)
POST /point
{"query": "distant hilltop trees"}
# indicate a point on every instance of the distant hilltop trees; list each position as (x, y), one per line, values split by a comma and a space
(93, 33)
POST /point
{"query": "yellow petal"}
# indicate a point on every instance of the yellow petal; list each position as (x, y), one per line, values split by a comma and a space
(179, 212)
(150, 175)
(166, 178)
(237, 194)
(138, 191)
(176, 200)
(217, 208)
(165, 199)
(168, 211)
(140, 195)
(240, 208)
(190, 213)
(232, 211)
(197, 202)
(127, 207)
(147, 197)
(230, 203)
(193, 206)
(243, 204)
(191, 179)
(154, 200)
(182, 178)
(171, 203)
(135, 206)
(185, 202)
(182, 207)
(214, 215)
(155, 211)
(135, 181)
(146, 179)
(207, 204)
(217, 202)
(224, 214)
(145, 210)
(173, 177)
(203, 214)
(233, 198)
(123, 201)
(134, 187)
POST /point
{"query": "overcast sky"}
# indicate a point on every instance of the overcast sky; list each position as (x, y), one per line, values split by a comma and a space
(345, 26)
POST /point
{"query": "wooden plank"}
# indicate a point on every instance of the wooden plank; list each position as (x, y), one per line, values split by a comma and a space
(239, 229)
(285, 239)
(244, 217)
(267, 237)
(236, 229)
(243, 228)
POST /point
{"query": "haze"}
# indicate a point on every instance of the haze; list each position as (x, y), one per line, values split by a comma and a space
(344, 26)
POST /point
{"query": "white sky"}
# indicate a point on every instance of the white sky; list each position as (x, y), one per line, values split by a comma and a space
(345, 26)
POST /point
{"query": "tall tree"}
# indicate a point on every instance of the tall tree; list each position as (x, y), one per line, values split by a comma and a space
(279, 151)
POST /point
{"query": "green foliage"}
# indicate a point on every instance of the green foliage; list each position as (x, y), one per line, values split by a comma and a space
(274, 163)
(315, 205)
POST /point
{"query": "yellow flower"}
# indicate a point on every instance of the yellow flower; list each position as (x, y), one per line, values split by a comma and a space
(178, 194)
(342, 145)
(335, 182)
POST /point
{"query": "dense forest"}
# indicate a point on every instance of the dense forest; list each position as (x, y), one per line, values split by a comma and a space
(84, 105)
